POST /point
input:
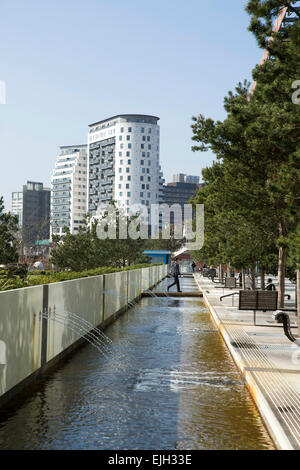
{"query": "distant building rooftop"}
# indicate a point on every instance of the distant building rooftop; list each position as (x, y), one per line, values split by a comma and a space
(131, 116)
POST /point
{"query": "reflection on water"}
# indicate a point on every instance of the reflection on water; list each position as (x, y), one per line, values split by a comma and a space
(168, 383)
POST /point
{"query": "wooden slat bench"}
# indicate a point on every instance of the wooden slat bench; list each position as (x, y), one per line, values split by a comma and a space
(258, 300)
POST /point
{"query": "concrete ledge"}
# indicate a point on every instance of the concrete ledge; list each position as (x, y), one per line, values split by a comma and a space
(172, 294)
(259, 384)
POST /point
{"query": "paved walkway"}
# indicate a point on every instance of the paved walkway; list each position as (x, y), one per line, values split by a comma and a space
(268, 361)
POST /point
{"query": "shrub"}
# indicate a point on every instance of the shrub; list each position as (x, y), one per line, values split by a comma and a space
(36, 278)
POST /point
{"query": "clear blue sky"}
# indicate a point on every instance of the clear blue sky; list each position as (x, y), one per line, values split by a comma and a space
(68, 63)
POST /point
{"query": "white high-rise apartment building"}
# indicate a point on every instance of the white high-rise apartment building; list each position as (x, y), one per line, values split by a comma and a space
(69, 189)
(123, 161)
(17, 206)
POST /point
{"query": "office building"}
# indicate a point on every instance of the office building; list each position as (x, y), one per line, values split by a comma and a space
(32, 206)
(180, 191)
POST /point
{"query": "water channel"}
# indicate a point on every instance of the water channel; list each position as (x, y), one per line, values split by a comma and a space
(168, 382)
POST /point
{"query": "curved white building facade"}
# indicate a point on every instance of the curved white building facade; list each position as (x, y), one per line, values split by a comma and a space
(123, 161)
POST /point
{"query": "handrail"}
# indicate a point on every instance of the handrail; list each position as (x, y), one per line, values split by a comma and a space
(228, 295)
(282, 317)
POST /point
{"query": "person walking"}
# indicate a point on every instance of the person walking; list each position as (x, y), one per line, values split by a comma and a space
(270, 285)
(175, 272)
(193, 266)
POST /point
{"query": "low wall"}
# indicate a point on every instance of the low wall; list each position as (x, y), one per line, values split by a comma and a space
(30, 343)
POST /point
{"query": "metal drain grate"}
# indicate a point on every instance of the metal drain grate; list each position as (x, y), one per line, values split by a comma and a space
(243, 345)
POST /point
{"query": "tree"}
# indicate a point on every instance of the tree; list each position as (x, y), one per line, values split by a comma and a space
(263, 15)
(86, 250)
(8, 240)
(258, 145)
(261, 137)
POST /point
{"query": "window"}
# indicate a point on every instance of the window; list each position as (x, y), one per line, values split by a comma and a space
(142, 130)
(128, 178)
(127, 154)
(121, 146)
(142, 178)
(127, 170)
(148, 138)
(129, 129)
(122, 129)
(141, 194)
(120, 194)
(144, 138)
(144, 170)
(142, 146)
(120, 154)
(129, 146)
(121, 162)
(149, 146)
(128, 137)
(127, 186)
(120, 170)
(120, 137)
(142, 162)
(120, 186)
(129, 162)
(149, 130)
(121, 178)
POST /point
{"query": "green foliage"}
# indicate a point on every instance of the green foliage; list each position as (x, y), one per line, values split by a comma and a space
(86, 250)
(8, 241)
(170, 244)
(39, 278)
(263, 15)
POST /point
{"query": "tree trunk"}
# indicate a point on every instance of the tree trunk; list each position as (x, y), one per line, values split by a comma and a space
(262, 278)
(281, 266)
(228, 270)
(252, 276)
(220, 273)
(281, 276)
(243, 279)
(298, 296)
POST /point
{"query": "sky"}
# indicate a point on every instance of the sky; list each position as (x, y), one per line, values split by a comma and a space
(69, 63)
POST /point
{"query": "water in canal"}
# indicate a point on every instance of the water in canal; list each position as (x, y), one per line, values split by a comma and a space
(168, 383)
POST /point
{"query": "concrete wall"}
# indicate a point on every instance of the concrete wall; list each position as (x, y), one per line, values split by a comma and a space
(28, 341)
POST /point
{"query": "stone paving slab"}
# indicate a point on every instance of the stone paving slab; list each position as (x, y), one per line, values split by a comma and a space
(268, 361)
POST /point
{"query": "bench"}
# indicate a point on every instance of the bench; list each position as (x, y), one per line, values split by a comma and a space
(230, 283)
(258, 300)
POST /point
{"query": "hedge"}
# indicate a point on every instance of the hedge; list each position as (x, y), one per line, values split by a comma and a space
(36, 278)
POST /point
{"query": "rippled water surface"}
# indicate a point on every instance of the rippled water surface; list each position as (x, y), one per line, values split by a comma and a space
(167, 383)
